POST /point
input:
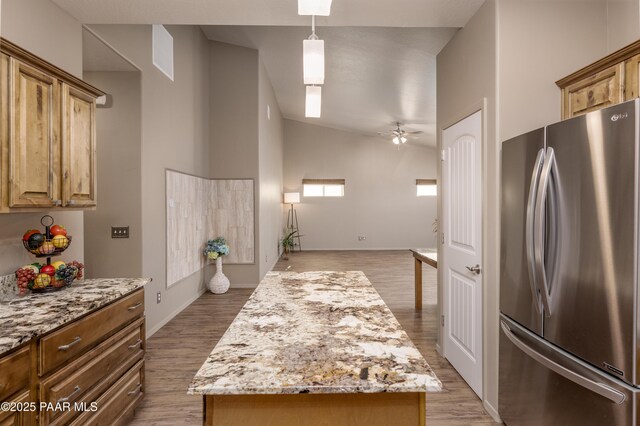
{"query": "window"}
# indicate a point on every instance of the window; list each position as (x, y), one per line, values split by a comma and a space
(426, 187)
(323, 187)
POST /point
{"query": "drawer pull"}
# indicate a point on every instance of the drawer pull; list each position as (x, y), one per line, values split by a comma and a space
(135, 390)
(135, 345)
(68, 345)
(76, 390)
(134, 307)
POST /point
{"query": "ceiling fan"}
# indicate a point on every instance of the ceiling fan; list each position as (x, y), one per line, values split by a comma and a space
(399, 135)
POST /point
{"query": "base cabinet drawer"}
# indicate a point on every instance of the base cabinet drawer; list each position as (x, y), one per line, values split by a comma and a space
(15, 372)
(86, 378)
(70, 341)
(18, 418)
(116, 405)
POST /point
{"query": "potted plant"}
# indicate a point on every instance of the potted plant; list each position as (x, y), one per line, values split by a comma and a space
(288, 242)
(214, 250)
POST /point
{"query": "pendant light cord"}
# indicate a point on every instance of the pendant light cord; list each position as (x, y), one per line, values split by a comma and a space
(313, 35)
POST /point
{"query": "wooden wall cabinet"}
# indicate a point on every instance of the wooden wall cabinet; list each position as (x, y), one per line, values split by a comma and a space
(609, 81)
(47, 135)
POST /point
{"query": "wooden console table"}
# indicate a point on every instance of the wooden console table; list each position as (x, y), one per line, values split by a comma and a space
(430, 257)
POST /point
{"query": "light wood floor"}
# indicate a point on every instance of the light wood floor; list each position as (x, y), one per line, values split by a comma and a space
(177, 351)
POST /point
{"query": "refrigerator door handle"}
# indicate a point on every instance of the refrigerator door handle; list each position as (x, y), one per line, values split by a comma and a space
(529, 241)
(539, 230)
(599, 388)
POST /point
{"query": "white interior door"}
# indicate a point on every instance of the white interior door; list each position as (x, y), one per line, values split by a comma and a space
(462, 260)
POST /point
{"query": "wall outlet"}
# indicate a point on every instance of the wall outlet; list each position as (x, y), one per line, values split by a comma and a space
(159, 297)
(119, 232)
(361, 238)
(266, 259)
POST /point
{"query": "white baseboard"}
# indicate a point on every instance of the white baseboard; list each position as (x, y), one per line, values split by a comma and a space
(354, 249)
(439, 350)
(176, 312)
(492, 411)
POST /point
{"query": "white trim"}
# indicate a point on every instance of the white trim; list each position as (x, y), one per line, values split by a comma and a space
(490, 409)
(171, 316)
(359, 249)
(439, 350)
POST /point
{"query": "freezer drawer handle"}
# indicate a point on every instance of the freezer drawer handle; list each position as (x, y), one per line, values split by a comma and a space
(599, 388)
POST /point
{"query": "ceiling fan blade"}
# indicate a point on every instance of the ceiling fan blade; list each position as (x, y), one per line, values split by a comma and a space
(417, 132)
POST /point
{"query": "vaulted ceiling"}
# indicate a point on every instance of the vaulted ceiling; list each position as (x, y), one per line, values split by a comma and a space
(380, 55)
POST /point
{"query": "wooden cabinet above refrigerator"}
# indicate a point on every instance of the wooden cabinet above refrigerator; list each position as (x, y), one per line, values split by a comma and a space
(608, 81)
(47, 135)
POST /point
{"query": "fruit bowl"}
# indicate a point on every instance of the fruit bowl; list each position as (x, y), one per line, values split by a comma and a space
(49, 247)
(49, 277)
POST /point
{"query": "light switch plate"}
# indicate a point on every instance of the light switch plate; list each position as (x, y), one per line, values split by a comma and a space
(119, 232)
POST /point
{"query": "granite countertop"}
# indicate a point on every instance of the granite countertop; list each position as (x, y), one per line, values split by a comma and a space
(429, 255)
(314, 332)
(35, 314)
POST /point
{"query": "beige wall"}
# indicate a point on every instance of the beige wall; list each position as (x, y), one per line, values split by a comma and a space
(270, 155)
(380, 199)
(119, 179)
(623, 23)
(233, 121)
(44, 29)
(175, 134)
(533, 57)
(466, 77)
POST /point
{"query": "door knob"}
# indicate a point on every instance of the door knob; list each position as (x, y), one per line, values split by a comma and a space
(474, 269)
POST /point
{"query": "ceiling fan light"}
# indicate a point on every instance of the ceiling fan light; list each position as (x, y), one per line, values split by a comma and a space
(313, 61)
(403, 139)
(313, 104)
(314, 7)
(396, 140)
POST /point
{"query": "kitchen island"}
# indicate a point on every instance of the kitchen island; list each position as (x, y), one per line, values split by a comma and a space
(315, 348)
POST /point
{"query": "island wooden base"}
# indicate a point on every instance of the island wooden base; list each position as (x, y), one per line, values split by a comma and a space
(352, 409)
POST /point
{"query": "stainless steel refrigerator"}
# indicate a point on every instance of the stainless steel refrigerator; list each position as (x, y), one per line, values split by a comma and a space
(569, 323)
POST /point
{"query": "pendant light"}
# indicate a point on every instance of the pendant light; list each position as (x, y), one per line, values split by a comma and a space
(313, 104)
(313, 57)
(314, 7)
(313, 60)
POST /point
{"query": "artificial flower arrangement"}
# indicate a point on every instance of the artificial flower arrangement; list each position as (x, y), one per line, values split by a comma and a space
(216, 248)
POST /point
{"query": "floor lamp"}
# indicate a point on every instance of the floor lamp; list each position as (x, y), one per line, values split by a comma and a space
(292, 217)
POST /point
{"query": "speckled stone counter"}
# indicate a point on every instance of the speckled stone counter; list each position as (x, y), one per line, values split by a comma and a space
(25, 317)
(314, 333)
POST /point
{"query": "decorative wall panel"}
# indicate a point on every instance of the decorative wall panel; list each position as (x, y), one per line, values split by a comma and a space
(199, 209)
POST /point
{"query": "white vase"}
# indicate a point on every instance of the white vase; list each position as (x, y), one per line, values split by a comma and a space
(219, 283)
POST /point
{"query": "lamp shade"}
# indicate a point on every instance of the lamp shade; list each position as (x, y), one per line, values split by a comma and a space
(314, 7)
(313, 60)
(291, 197)
(313, 104)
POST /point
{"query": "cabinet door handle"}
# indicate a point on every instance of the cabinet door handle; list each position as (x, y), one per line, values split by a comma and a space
(76, 390)
(134, 307)
(135, 345)
(68, 345)
(135, 390)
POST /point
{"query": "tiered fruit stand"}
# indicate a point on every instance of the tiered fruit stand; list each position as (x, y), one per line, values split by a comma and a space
(50, 276)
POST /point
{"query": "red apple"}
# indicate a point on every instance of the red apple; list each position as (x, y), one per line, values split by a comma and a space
(48, 269)
(29, 233)
(57, 230)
